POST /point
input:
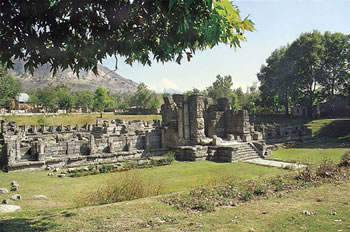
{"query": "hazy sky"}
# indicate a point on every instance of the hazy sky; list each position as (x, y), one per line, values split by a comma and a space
(277, 23)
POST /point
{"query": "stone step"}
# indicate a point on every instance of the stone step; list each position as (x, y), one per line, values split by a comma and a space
(247, 157)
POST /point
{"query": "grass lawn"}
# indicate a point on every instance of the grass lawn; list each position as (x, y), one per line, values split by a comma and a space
(337, 132)
(58, 211)
(74, 119)
(148, 214)
(309, 155)
(179, 176)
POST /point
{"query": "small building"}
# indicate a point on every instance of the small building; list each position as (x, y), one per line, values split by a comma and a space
(338, 105)
(300, 111)
(22, 103)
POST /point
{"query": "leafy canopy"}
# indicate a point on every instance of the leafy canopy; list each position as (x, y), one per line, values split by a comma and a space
(10, 87)
(78, 34)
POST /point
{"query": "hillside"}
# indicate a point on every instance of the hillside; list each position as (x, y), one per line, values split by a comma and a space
(86, 81)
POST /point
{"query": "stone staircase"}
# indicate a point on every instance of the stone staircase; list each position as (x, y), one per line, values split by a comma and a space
(245, 152)
(232, 152)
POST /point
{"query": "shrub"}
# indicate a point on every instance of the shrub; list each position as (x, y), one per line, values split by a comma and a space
(130, 165)
(2, 157)
(170, 157)
(247, 196)
(327, 169)
(260, 190)
(278, 184)
(130, 186)
(288, 167)
(306, 174)
(345, 160)
(91, 167)
(106, 168)
(42, 121)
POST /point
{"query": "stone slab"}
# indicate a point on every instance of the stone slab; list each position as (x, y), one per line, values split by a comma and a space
(274, 163)
(9, 208)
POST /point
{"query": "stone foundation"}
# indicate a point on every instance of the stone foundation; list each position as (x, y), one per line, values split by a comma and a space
(113, 141)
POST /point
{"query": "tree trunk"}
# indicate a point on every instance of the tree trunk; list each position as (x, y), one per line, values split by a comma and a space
(286, 103)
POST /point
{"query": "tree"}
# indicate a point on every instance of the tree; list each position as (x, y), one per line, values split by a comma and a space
(306, 53)
(65, 97)
(84, 99)
(145, 98)
(78, 34)
(277, 80)
(335, 62)
(221, 87)
(10, 87)
(47, 97)
(102, 99)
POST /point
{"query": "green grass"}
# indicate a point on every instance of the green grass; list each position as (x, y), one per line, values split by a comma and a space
(337, 134)
(180, 176)
(330, 128)
(304, 155)
(75, 119)
(149, 214)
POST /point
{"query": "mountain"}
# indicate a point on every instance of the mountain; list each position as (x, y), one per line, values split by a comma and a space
(42, 77)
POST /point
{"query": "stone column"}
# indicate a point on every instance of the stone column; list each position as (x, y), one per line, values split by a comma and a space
(34, 129)
(180, 129)
(196, 108)
(3, 126)
(92, 149)
(41, 150)
(162, 138)
(10, 152)
(111, 145)
(147, 144)
(186, 120)
(180, 99)
(43, 128)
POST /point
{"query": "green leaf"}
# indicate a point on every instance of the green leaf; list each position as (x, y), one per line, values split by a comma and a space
(171, 4)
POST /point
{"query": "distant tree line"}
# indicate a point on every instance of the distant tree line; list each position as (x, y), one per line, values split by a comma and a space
(62, 97)
(10, 87)
(315, 67)
(223, 87)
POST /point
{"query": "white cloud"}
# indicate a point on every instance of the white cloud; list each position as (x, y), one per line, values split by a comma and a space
(167, 84)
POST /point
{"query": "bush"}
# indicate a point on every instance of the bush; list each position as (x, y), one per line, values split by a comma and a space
(306, 174)
(260, 190)
(130, 165)
(327, 169)
(247, 196)
(2, 157)
(345, 160)
(130, 186)
(106, 168)
(278, 183)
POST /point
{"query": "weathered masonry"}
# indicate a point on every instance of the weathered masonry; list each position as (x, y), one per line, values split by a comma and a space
(67, 146)
(192, 127)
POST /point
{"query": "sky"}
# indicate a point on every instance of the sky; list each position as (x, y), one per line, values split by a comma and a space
(277, 23)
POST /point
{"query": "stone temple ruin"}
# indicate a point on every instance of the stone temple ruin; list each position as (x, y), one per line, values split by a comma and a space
(192, 127)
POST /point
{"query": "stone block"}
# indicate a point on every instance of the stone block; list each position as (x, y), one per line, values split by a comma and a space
(9, 208)
(4, 191)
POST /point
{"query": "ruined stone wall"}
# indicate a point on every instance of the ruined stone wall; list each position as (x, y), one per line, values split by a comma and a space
(67, 146)
(274, 134)
(194, 128)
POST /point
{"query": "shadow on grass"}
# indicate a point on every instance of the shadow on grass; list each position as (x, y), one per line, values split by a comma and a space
(335, 134)
(336, 129)
(26, 225)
